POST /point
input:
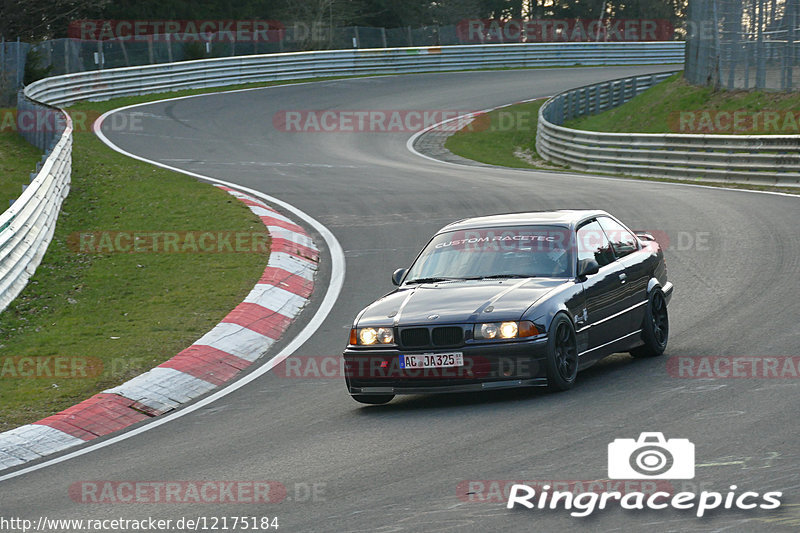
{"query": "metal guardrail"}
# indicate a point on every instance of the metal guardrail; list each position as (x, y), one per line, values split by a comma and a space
(98, 85)
(754, 158)
(27, 227)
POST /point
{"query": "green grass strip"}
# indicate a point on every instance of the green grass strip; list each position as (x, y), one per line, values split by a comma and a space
(674, 106)
(505, 137)
(17, 160)
(89, 321)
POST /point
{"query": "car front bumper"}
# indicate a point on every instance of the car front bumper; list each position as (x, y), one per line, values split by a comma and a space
(667, 290)
(486, 367)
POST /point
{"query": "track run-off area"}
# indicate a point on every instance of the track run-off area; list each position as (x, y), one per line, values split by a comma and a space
(428, 463)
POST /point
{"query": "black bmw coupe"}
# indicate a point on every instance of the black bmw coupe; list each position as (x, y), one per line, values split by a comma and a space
(523, 299)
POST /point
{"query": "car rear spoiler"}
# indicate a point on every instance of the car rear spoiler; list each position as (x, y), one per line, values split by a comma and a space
(643, 235)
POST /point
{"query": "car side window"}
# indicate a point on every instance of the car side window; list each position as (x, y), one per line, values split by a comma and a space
(593, 244)
(622, 241)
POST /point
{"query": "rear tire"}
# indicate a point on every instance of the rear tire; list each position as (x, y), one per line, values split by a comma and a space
(373, 399)
(562, 354)
(655, 329)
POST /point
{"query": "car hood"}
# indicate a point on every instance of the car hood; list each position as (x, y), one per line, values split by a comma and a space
(457, 302)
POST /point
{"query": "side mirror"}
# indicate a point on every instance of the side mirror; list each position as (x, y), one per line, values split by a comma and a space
(398, 274)
(587, 267)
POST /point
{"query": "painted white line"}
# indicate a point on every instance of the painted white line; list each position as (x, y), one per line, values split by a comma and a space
(411, 140)
(331, 295)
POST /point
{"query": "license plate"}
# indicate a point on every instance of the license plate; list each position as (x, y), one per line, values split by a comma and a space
(432, 360)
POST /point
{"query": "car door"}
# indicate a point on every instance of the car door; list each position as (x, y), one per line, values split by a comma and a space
(605, 320)
(628, 251)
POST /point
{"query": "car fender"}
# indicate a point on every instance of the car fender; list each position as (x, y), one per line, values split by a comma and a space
(667, 288)
(544, 313)
(653, 284)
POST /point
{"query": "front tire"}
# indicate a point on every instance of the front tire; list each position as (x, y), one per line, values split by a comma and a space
(655, 329)
(373, 399)
(562, 354)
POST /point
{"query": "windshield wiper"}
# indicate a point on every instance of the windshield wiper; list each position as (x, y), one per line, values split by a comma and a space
(432, 280)
(499, 276)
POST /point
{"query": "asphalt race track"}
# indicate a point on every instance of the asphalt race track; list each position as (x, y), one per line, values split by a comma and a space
(733, 257)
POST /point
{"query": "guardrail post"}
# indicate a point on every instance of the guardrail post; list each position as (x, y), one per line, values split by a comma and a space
(150, 49)
(100, 59)
(568, 106)
(19, 66)
(168, 37)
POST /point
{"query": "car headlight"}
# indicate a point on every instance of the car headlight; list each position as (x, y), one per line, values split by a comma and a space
(369, 336)
(504, 330)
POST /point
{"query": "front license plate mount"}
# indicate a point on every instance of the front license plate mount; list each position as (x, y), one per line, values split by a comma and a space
(432, 360)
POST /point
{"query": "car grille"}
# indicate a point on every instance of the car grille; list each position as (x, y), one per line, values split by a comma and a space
(450, 336)
(415, 337)
(432, 337)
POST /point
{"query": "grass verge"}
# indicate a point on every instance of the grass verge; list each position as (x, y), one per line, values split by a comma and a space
(500, 139)
(17, 160)
(674, 106)
(504, 137)
(90, 321)
(87, 322)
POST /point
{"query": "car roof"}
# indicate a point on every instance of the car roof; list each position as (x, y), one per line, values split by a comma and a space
(564, 218)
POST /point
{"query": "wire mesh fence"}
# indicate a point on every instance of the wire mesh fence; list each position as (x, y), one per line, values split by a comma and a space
(90, 52)
(743, 44)
(70, 55)
(12, 68)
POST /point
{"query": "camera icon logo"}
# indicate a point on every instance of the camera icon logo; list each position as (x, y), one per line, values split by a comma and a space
(651, 457)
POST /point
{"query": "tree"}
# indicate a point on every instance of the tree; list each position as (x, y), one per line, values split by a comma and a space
(34, 20)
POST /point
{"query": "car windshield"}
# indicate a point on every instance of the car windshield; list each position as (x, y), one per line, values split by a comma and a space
(515, 251)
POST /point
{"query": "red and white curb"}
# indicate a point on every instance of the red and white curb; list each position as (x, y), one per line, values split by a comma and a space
(244, 335)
